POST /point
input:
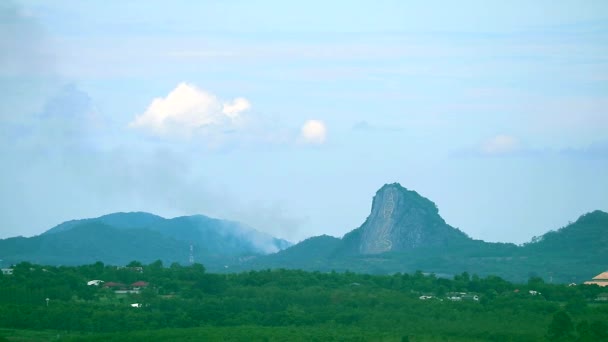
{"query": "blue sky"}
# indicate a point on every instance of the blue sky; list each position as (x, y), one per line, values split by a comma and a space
(289, 116)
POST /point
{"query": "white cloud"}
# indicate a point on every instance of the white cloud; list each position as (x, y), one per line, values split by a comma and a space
(234, 108)
(188, 110)
(313, 132)
(500, 144)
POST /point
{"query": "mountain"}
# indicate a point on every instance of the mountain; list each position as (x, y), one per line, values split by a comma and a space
(581, 244)
(404, 233)
(122, 237)
(122, 220)
(310, 254)
(587, 234)
(93, 241)
(400, 220)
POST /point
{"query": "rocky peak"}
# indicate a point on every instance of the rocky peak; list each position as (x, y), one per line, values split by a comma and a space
(401, 219)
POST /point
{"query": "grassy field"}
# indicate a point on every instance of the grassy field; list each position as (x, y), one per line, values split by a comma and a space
(16, 335)
(240, 333)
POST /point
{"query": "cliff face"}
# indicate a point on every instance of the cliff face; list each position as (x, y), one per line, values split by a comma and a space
(401, 219)
(408, 228)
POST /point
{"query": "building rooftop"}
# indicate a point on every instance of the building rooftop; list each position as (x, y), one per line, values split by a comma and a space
(112, 284)
(601, 276)
(601, 283)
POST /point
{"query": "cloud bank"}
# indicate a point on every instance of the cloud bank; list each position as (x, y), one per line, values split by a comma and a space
(187, 111)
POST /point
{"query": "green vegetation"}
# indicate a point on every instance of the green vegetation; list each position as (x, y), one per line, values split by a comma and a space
(120, 237)
(571, 254)
(188, 303)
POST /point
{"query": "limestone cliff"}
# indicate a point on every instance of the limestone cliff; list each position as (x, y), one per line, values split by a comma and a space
(401, 219)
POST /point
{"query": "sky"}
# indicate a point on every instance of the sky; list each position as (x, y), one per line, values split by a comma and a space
(289, 116)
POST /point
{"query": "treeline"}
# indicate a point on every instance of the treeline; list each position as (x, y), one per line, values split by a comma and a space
(323, 305)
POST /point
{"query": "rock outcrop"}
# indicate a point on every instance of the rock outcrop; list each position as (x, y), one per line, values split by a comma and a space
(401, 219)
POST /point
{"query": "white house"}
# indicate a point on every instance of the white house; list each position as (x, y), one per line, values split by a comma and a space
(95, 282)
(7, 271)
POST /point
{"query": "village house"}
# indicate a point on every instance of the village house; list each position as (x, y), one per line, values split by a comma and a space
(136, 269)
(7, 271)
(469, 296)
(454, 298)
(460, 296)
(115, 286)
(599, 280)
(602, 297)
(120, 288)
(136, 286)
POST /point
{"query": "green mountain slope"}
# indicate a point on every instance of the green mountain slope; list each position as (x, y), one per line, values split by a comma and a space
(120, 220)
(122, 237)
(586, 237)
(89, 242)
(310, 254)
(405, 233)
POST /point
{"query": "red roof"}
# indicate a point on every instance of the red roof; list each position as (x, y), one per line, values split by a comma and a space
(139, 284)
(111, 284)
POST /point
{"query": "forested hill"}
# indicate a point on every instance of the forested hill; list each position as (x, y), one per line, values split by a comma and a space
(587, 237)
(404, 233)
(130, 220)
(122, 237)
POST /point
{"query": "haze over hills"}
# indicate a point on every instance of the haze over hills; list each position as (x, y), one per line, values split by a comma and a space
(122, 237)
(403, 233)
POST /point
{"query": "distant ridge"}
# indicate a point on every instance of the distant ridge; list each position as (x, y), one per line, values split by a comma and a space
(404, 233)
(136, 219)
(122, 237)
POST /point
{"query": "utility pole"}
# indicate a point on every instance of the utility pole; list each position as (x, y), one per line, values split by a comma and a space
(191, 258)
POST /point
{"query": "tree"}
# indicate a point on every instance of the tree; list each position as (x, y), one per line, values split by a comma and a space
(561, 327)
(135, 263)
(582, 329)
(576, 304)
(599, 330)
(536, 282)
(156, 265)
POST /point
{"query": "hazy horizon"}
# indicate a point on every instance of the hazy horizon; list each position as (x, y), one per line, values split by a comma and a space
(292, 241)
(288, 117)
